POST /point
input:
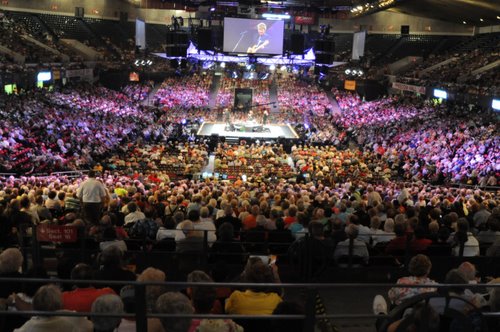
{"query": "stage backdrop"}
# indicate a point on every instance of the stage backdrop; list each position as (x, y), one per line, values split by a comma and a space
(242, 98)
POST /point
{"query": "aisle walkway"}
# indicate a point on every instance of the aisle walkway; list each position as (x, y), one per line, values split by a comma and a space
(210, 166)
(214, 90)
(333, 101)
(149, 100)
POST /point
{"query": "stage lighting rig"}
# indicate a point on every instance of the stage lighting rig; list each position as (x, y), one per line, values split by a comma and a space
(354, 72)
(143, 62)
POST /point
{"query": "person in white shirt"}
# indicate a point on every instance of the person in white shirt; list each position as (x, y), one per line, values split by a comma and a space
(92, 194)
(198, 225)
(134, 213)
(49, 298)
(359, 248)
(462, 235)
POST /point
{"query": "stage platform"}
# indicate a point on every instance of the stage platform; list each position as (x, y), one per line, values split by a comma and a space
(269, 131)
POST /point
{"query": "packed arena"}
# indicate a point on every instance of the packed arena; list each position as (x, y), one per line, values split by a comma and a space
(298, 195)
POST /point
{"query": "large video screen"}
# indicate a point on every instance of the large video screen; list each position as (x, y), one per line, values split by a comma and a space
(440, 94)
(358, 45)
(140, 34)
(44, 76)
(495, 104)
(253, 36)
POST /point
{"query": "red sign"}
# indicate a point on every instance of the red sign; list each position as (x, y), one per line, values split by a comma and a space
(305, 20)
(54, 233)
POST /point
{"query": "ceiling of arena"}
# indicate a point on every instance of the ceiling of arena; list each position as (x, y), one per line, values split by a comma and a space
(457, 11)
(476, 12)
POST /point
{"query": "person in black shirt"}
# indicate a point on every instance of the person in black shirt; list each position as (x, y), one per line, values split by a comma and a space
(228, 217)
(111, 268)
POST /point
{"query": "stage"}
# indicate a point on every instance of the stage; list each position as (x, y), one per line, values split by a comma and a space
(244, 130)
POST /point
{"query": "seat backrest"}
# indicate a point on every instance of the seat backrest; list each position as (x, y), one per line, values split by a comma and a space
(447, 306)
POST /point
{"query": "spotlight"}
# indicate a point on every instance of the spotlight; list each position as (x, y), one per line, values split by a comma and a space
(223, 65)
(212, 9)
(272, 67)
(354, 72)
(183, 121)
(136, 62)
(283, 68)
(306, 125)
(347, 71)
(360, 72)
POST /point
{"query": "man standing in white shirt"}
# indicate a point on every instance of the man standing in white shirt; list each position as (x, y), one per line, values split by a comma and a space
(92, 194)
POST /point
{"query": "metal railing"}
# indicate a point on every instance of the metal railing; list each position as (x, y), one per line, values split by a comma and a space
(310, 292)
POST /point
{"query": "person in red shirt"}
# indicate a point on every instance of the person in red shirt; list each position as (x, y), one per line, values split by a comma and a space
(81, 298)
(398, 245)
(250, 221)
(420, 243)
(291, 216)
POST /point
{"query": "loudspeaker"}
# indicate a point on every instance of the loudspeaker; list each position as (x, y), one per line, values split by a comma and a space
(177, 43)
(176, 50)
(205, 39)
(405, 29)
(174, 38)
(79, 12)
(297, 43)
(324, 45)
(324, 58)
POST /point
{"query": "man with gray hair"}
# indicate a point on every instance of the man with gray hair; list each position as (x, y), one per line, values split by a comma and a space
(11, 261)
(49, 298)
(352, 246)
(174, 303)
(107, 304)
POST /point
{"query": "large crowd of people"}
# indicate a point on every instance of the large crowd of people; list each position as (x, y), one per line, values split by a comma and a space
(401, 132)
(259, 103)
(138, 91)
(388, 218)
(456, 72)
(189, 91)
(366, 180)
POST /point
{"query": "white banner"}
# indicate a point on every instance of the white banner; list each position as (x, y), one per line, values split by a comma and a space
(409, 87)
(86, 74)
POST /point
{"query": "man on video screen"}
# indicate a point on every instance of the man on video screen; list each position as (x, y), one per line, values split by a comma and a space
(260, 40)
